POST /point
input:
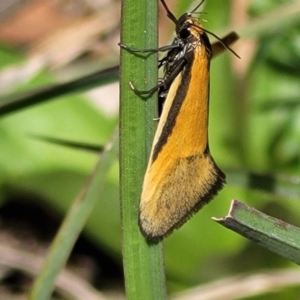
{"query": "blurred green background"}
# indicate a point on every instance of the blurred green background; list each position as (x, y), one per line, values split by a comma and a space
(253, 129)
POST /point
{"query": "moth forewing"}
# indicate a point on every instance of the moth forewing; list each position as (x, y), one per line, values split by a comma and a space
(192, 182)
(181, 175)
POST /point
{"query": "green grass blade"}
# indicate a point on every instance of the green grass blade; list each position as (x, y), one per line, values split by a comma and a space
(278, 19)
(73, 223)
(277, 184)
(143, 262)
(96, 148)
(271, 233)
(15, 102)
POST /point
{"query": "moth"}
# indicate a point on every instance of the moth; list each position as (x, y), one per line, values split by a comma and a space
(181, 175)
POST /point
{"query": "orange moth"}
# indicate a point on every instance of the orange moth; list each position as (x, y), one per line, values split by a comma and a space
(181, 175)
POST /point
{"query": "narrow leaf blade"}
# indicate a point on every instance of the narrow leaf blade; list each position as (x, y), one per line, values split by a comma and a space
(271, 233)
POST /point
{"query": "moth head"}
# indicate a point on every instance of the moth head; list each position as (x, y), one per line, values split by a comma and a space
(189, 30)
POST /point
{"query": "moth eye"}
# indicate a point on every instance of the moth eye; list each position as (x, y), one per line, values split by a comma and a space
(184, 33)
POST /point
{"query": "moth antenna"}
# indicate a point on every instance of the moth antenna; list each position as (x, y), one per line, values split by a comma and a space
(169, 13)
(193, 11)
(220, 40)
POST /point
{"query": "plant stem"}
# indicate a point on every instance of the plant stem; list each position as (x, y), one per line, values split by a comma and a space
(143, 262)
